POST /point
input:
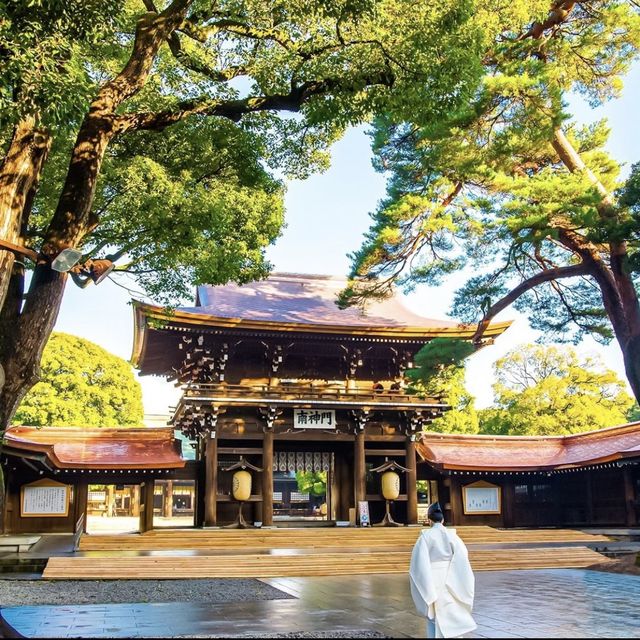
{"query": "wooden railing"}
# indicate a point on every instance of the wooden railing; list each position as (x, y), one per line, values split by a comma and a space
(309, 391)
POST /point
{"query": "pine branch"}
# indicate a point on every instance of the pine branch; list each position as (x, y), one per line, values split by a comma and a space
(549, 275)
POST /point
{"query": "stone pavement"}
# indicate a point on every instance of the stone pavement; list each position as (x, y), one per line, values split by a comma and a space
(564, 603)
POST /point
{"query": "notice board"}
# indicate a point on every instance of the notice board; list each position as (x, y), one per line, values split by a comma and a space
(481, 498)
(45, 499)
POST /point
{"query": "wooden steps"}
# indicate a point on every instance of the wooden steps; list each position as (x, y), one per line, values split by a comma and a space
(251, 565)
(218, 539)
(263, 553)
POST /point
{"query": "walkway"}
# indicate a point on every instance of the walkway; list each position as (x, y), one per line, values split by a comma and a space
(510, 604)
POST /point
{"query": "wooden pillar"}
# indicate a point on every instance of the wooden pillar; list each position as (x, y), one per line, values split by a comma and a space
(344, 482)
(81, 497)
(332, 497)
(135, 501)
(141, 510)
(146, 509)
(508, 503)
(455, 498)
(257, 506)
(359, 468)
(5, 498)
(111, 500)
(201, 481)
(267, 478)
(167, 499)
(412, 479)
(211, 482)
(629, 498)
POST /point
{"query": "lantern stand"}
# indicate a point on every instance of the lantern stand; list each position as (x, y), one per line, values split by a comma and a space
(390, 493)
(242, 465)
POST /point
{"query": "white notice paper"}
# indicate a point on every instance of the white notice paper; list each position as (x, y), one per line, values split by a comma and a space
(481, 500)
(46, 501)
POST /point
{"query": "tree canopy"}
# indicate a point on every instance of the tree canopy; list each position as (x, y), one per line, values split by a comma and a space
(549, 390)
(156, 134)
(508, 187)
(82, 385)
(193, 94)
(438, 372)
(463, 415)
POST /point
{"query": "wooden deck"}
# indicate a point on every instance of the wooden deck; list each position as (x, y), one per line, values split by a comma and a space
(250, 565)
(309, 552)
(218, 539)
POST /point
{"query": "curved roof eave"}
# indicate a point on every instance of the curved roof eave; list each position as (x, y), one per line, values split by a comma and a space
(51, 441)
(565, 452)
(144, 311)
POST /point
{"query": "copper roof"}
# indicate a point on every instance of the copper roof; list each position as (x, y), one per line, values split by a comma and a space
(107, 448)
(514, 453)
(299, 303)
(305, 299)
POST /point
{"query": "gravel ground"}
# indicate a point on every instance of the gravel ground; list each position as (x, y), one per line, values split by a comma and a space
(35, 592)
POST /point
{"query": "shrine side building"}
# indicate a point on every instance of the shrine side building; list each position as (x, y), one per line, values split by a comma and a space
(278, 381)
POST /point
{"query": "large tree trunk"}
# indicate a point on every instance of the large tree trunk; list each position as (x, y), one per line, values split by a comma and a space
(19, 174)
(28, 336)
(26, 328)
(606, 265)
(631, 356)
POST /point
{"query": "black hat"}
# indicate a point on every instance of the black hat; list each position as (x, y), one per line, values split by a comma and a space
(434, 508)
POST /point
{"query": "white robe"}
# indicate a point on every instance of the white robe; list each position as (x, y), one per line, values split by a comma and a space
(442, 582)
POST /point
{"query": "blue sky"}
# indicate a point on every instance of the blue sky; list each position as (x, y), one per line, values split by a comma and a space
(327, 215)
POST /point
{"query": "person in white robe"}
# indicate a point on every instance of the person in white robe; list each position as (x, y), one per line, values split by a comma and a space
(442, 582)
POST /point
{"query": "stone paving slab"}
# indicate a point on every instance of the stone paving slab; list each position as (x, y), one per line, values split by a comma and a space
(565, 603)
(280, 618)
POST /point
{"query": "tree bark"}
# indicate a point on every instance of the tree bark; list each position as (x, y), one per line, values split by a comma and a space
(631, 358)
(19, 175)
(29, 335)
(72, 219)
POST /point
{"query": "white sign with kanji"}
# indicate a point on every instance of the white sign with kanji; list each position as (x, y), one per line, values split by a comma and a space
(314, 419)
